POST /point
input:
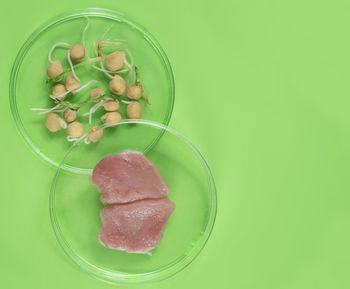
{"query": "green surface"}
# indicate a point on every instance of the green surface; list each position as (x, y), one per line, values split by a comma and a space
(262, 90)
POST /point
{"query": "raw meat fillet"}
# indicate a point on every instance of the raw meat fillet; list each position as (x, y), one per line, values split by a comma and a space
(127, 177)
(135, 227)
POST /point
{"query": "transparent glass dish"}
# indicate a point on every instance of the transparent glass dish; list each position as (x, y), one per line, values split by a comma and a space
(75, 206)
(28, 87)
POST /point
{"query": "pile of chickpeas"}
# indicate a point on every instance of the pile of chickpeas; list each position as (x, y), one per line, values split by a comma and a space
(66, 83)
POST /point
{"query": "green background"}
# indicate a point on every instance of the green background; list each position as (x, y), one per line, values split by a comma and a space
(262, 90)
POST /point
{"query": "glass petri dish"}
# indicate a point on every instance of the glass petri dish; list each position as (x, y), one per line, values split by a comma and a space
(75, 207)
(28, 87)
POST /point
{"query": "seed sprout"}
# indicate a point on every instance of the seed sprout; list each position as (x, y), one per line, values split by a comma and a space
(93, 109)
(85, 29)
(47, 110)
(85, 86)
(106, 32)
(71, 66)
(102, 68)
(63, 44)
(135, 91)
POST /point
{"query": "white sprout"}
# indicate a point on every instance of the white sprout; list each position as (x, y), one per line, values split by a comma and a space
(127, 102)
(71, 138)
(116, 39)
(101, 63)
(46, 110)
(61, 95)
(106, 70)
(63, 123)
(130, 68)
(53, 48)
(84, 86)
(93, 109)
(77, 140)
(106, 31)
(86, 27)
(71, 66)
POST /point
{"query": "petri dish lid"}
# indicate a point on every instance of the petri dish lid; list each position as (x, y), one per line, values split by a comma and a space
(28, 87)
(75, 206)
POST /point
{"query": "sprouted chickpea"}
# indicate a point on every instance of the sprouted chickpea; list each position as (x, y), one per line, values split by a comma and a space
(77, 52)
(95, 134)
(55, 69)
(133, 110)
(75, 129)
(115, 60)
(135, 91)
(117, 85)
(53, 122)
(96, 93)
(107, 72)
(110, 104)
(129, 65)
(69, 114)
(58, 91)
(111, 118)
(56, 108)
(71, 83)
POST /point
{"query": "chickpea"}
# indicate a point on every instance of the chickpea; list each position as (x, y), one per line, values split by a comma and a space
(111, 105)
(95, 134)
(53, 122)
(115, 60)
(54, 69)
(134, 91)
(117, 85)
(75, 129)
(77, 52)
(111, 117)
(96, 93)
(69, 115)
(133, 110)
(71, 82)
(57, 90)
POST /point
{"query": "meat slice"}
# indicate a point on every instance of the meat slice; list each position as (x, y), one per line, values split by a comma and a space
(135, 227)
(127, 177)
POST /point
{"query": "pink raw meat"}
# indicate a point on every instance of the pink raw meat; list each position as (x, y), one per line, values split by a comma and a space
(135, 227)
(127, 177)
